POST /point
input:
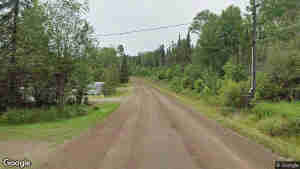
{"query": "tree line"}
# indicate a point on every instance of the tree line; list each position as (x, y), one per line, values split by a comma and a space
(220, 61)
(48, 51)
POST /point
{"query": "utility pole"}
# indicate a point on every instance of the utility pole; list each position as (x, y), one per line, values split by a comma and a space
(253, 66)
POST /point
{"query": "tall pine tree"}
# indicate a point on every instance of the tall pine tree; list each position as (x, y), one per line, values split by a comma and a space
(124, 73)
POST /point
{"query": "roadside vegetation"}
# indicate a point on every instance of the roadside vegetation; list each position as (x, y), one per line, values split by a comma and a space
(215, 74)
(60, 130)
(48, 58)
(248, 123)
(54, 133)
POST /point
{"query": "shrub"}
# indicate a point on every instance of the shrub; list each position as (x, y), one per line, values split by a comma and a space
(199, 85)
(271, 126)
(176, 84)
(169, 73)
(268, 89)
(15, 116)
(235, 72)
(173, 71)
(162, 75)
(193, 72)
(21, 116)
(187, 83)
(293, 127)
(281, 77)
(280, 127)
(233, 94)
(212, 82)
(108, 89)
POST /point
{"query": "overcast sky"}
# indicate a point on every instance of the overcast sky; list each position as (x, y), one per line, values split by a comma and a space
(115, 16)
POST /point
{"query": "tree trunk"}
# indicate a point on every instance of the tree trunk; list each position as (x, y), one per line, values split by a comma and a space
(13, 89)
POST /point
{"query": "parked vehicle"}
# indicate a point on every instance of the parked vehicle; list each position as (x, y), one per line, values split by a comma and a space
(95, 88)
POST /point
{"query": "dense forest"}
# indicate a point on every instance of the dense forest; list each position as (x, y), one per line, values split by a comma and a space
(220, 62)
(48, 52)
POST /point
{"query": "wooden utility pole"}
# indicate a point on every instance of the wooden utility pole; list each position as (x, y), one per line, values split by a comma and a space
(253, 65)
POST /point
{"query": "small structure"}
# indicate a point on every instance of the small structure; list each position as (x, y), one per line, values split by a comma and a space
(95, 88)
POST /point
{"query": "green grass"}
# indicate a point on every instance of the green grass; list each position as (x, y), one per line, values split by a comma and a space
(283, 109)
(122, 90)
(96, 97)
(245, 122)
(57, 131)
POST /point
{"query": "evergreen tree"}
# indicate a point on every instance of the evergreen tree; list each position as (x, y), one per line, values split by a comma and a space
(162, 55)
(188, 47)
(124, 73)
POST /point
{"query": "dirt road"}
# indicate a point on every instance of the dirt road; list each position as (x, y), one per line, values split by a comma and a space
(153, 131)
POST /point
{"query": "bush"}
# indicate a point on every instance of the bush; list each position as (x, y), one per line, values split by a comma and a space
(108, 89)
(281, 78)
(271, 126)
(193, 72)
(176, 84)
(199, 85)
(161, 75)
(293, 127)
(169, 74)
(21, 116)
(235, 72)
(212, 82)
(268, 89)
(187, 82)
(17, 116)
(280, 127)
(233, 94)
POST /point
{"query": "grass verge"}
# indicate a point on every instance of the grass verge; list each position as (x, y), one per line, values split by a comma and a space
(243, 123)
(58, 131)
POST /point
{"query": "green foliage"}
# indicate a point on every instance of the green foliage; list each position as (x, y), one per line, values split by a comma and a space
(124, 72)
(235, 72)
(162, 75)
(170, 73)
(267, 89)
(278, 119)
(176, 84)
(111, 81)
(192, 73)
(60, 130)
(199, 85)
(212, 81)
(271, 126)
(219, 38)
(22, 116)
(279, 127)
(233, 94)
(283, 109)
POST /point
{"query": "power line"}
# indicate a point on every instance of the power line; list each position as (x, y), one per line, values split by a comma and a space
(143, 30)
